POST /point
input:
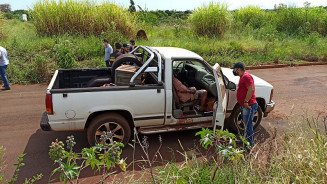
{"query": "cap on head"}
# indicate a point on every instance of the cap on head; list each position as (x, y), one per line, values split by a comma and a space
(132, 41)
(238, 65)
(125, 45)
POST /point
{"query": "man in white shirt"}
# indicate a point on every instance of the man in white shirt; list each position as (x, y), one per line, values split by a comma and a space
(107, 52)
(4, 62)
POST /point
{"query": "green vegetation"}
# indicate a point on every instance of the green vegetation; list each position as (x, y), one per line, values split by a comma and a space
(17, 14)
(1, 24)
(101, 157)
(82, 17)
(210, 20)
(251, 16)
(20, 164)
(297, 157)
(251, 35)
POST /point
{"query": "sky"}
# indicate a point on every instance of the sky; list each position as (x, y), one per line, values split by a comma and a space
(182, 5)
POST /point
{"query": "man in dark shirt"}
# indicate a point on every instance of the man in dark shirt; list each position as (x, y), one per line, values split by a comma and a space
(246, 98)
(132, 45)
(125, 49)
(115, 54)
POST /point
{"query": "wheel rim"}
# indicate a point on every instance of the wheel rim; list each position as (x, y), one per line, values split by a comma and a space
(113, 130)
(240, 125)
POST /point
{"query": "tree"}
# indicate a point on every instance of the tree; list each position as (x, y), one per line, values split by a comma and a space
(5, 8)
(132, 6)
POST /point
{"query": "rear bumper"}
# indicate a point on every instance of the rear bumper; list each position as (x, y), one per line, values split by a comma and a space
(270, 106)
(44, 123)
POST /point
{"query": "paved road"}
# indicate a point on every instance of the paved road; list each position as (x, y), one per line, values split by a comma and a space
(303, 88)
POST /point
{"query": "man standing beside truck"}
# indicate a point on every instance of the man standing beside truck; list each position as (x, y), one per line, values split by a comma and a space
(107, 51)
(4, 62)
(246, 98)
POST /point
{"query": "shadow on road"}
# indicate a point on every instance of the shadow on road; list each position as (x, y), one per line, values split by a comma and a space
(37, 159)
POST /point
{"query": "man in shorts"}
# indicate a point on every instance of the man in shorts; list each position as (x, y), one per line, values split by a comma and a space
(189, 94)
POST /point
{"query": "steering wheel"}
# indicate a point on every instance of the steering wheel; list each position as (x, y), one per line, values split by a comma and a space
(182, 70)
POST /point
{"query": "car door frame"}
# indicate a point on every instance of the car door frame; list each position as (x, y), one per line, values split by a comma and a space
(221, 103)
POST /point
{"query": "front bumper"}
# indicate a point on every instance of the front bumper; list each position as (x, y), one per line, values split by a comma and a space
(270, 106)
(44, 123)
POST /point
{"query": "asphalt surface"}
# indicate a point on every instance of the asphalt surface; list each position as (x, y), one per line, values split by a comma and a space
(298, 90)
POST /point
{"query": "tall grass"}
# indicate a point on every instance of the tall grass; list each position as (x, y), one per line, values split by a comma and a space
(292, 20)
(1, 24)
(251, 15)
(210, 20)
(53, 17)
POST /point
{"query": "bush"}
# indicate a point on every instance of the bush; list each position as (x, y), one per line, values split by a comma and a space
(81, 17)
(301, 20)
(39, 70)
(101, 157)
(210, 20)
(252, 16)
(64, 54)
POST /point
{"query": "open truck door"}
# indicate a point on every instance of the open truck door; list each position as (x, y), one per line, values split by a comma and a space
(221, 103)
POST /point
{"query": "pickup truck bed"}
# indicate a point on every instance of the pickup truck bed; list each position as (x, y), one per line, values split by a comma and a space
(81, 78)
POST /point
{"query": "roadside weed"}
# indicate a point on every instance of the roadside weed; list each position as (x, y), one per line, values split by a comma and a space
(101, 157)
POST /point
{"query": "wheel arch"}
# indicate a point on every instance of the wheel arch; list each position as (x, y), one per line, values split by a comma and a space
(261, 103)
(126, 114)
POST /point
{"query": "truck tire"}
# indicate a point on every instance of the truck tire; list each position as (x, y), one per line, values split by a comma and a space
(235, 123)
(113, 124)
(124, 59)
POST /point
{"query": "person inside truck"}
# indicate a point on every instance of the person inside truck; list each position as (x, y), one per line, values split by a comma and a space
(115, 54)
(189, 94)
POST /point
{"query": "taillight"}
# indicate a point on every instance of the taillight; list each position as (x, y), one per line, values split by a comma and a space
(271, 95)
(48, 103)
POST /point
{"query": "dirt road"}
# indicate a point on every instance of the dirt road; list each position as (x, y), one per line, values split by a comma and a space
(303, 88)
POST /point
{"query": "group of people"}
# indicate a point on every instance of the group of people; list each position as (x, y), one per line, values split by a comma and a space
(110, 55)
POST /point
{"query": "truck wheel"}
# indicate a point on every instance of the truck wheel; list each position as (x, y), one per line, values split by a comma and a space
(236, 124)
(114, 125)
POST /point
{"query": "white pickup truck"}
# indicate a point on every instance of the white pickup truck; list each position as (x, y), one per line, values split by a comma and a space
(113, 102)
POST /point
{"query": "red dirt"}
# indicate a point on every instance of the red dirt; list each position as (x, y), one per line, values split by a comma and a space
(21, 109)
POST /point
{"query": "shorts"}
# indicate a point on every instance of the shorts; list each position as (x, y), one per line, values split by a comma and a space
(199, 94)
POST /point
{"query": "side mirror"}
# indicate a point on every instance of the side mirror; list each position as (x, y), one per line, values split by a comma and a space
(231, 86)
